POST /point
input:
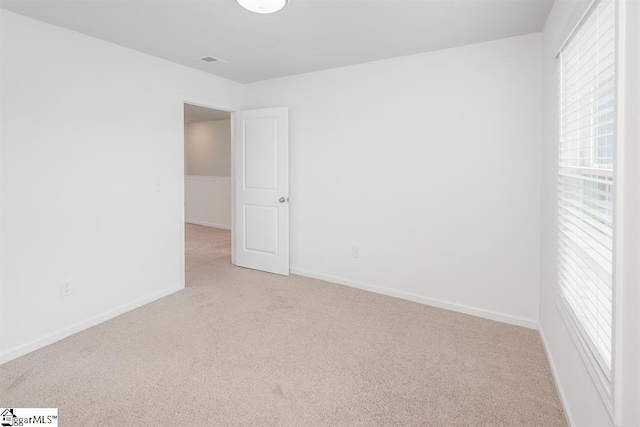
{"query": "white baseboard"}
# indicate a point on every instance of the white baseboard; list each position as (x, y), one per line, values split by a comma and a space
(460, 308)
(208, 224)
(82, 325)
(556, 379)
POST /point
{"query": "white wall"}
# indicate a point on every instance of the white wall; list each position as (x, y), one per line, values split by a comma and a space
(629, 274)
(208, 201)
(430, 164)
(208, 148)
(208, 169)
(82, 197)
(2, 106)
(578, 392)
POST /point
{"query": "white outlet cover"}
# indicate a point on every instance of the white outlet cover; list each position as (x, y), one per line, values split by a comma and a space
(66, 289)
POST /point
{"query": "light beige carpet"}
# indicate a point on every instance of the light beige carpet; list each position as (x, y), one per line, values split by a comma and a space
(241, 347)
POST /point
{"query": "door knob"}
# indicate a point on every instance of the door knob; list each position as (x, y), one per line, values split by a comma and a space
(282, 200)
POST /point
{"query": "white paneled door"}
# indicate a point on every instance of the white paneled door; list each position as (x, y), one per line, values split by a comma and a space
(261, 157)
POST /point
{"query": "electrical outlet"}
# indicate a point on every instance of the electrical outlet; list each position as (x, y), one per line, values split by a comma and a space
(355, 252)
(66, 289)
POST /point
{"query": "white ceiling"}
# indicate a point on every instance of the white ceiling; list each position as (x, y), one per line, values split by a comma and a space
(307, 35)
(195, 114)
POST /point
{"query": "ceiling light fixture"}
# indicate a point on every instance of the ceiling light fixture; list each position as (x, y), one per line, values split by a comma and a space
(262, 6)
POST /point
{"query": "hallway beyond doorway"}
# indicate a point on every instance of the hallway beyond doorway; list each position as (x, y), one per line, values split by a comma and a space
(208, 250)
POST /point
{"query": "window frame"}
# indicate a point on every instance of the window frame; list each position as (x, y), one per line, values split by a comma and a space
(609, 388)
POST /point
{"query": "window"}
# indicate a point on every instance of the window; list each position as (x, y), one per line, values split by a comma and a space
(586, 187)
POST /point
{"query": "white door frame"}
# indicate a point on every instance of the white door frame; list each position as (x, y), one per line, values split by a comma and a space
(181, 154)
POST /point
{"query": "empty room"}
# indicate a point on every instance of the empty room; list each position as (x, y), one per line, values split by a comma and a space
(320, 213)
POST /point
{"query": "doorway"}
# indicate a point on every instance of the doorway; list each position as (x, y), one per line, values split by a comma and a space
(235, 173)
(207, 192)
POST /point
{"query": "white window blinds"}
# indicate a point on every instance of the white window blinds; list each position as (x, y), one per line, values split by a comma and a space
(586, 184)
